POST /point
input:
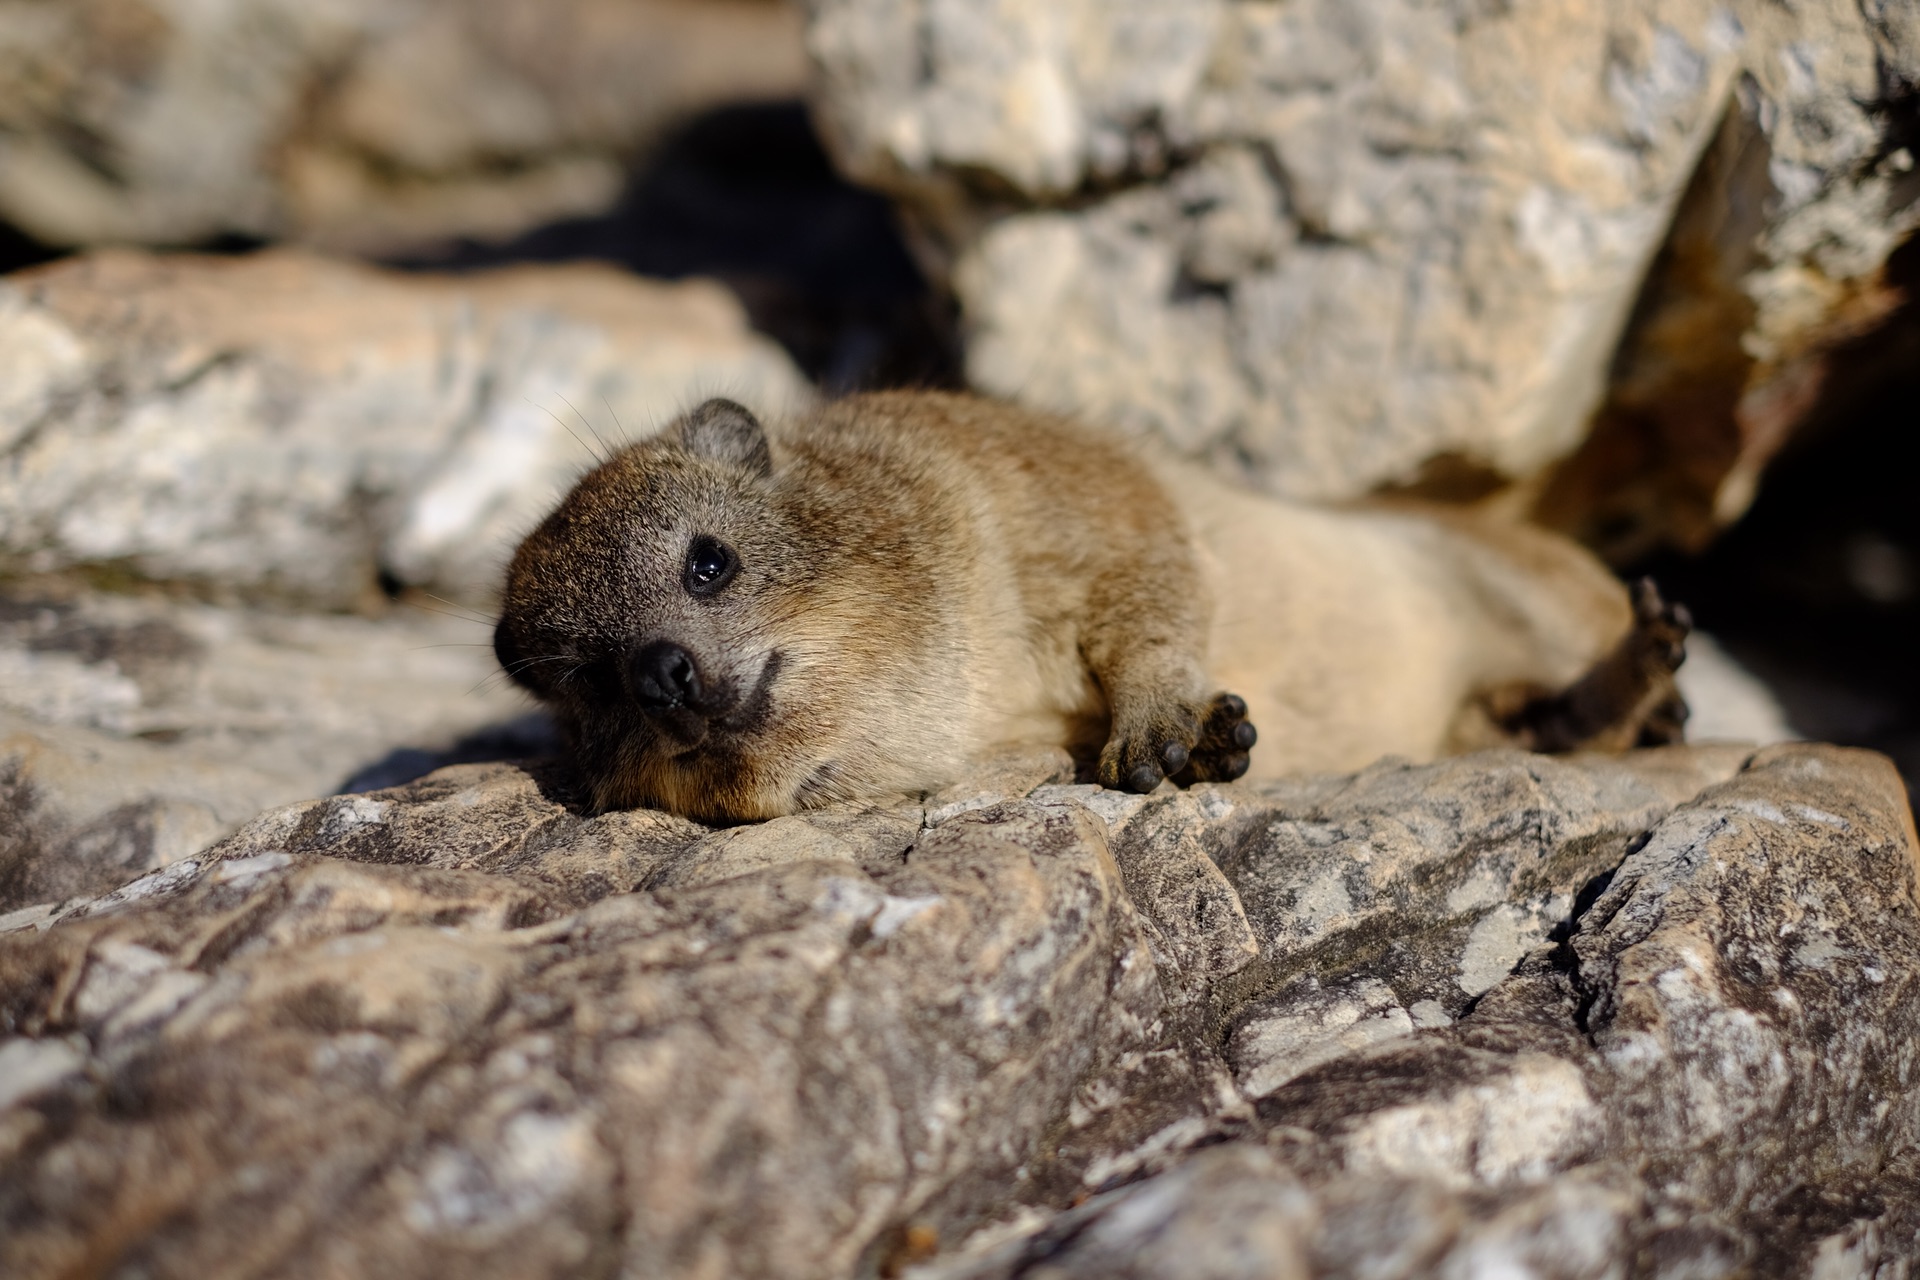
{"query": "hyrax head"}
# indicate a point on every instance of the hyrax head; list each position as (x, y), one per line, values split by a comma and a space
(645, 611)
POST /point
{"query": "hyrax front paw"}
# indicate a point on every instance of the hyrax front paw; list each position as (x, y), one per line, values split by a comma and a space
(1148, 743)
(1180, 741)
(1226, 738)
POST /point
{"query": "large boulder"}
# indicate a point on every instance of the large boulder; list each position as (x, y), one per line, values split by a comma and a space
(370, 125)
(1590, 1017)
(1339, 244)
(282, 424)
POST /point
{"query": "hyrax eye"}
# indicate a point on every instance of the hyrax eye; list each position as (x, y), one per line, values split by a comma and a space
(711, 565)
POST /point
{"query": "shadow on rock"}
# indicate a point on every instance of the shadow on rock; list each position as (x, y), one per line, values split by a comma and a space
(524, 737)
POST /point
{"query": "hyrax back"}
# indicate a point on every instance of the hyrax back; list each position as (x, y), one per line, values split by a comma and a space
(734, 623)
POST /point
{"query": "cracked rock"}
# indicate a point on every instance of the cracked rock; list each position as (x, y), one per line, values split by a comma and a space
(1241, 1030)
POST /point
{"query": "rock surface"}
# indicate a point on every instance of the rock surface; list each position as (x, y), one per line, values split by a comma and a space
(367, 125)
(1709, 1073)
(283, 424)
(135, 730)
(1650, 1015)
(1338, 245)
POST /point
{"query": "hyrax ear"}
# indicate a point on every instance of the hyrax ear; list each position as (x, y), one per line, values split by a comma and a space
(725, 432)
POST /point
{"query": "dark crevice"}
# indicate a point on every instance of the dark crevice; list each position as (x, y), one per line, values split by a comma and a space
(1565, 960)
(18, 251)
(1582, 903)
(1898, 155)
(1817, 589)
(748, 196)
(1650, 470)
(1188, 287)
(390, 584)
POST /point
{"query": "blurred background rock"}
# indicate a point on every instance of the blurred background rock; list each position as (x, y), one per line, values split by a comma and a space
(1634, 271)
(358, 125)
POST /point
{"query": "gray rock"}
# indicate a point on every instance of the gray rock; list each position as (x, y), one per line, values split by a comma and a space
(758, 1076)
(135, 730)
(280, 424)
(1707, 1075)
(1238, 1031)
(1334, 244)
(357, 124)
(1236, 1212)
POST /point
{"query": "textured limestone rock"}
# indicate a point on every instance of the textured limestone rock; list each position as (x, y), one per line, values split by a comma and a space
(1707, 1072)
(360, 124)
(756, 1076)
(281, 423)
(1338, 245)
(135, 731)
(1649, 1016)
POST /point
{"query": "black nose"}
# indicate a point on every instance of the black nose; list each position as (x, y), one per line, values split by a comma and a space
(664, 677)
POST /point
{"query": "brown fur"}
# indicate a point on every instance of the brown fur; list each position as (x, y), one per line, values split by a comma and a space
(925, 579)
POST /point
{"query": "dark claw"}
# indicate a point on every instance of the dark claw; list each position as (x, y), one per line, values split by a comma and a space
(1646, 598)
(1232, 705)
(1143, 779)
(1174, 756)
(1236, 765)
(1245, 735)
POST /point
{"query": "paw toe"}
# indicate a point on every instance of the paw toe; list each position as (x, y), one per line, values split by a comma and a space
(1143, 779)
(1647, 602)
(1225, 738)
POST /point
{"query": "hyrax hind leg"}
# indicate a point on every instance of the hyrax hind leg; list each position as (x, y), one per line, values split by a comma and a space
(1628, 699)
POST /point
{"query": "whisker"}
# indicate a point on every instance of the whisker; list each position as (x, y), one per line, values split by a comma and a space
(455, 604)
(490, 682)
(524, 663)
(454, 610)
(584, 423)
(617, 424)
(507, 673)
(591, 452)
(446, 613)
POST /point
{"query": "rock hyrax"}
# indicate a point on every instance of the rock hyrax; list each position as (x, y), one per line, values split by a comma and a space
(732, 622)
